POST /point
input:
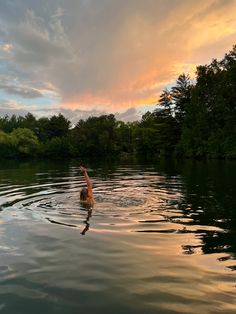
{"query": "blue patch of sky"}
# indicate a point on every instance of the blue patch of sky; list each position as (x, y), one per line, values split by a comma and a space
(8, 68)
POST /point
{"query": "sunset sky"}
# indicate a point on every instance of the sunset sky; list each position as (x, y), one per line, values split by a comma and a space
(87, 57)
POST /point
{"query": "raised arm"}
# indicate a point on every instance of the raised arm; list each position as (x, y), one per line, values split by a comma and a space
(88, 181)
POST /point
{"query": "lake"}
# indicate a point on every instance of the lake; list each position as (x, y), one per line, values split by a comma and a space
(160, 239)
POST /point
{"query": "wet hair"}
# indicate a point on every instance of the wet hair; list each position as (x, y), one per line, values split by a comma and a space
(83, 194)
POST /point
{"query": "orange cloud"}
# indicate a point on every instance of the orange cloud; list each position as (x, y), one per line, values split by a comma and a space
(111, 55)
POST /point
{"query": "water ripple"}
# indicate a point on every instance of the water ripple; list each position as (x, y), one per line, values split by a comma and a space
(138, 216)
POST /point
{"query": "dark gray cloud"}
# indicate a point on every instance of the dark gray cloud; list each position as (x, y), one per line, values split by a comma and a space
(25, 92)
(37, 45)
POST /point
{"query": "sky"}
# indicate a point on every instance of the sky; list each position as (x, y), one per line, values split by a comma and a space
(93, 57)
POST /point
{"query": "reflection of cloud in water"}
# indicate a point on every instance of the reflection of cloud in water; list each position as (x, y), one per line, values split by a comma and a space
(119, 201)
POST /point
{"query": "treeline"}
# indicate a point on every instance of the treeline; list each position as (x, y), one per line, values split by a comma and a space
(192, 120)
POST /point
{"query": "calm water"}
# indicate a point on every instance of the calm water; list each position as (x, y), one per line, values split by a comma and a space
(161, 238)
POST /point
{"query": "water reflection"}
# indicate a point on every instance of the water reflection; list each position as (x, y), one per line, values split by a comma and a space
(192, 198)
(209, 200)
(157, 230)
(86, 228)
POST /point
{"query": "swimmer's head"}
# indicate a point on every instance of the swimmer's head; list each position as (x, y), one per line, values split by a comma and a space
(84, 194)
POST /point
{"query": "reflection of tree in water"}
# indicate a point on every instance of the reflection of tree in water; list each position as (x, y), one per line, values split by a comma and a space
(25, 171)
(209, 199)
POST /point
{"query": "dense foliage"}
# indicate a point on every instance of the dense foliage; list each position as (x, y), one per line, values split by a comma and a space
(193, 120)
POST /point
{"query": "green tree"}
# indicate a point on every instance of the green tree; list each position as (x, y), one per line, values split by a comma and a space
(209, 127)
(95, 136)
(166, 100)
(181, 95)
(5, 145)
(25, 141)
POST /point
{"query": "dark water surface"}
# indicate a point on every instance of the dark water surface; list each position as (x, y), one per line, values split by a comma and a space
(160, 239)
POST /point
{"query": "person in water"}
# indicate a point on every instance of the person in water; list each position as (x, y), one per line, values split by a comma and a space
(86, 194)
